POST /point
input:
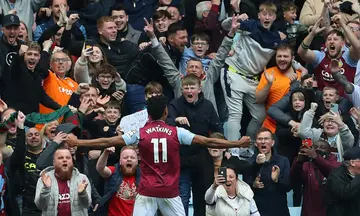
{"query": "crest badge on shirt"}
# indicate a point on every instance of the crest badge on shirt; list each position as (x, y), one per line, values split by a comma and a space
(71, 84)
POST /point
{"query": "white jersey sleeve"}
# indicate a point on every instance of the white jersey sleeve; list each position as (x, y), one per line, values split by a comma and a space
(131, 137)
(185, 137)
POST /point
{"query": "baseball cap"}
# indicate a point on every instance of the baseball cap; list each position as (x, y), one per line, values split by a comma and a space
(11, 19)
(352, 154)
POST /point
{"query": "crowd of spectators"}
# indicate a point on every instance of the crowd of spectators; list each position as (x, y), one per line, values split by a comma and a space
(285, 73)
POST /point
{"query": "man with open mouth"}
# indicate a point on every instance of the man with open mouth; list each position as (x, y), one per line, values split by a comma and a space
(269, 176)
(321, 60)
(121, 182)
(9, 44)
(24, 89)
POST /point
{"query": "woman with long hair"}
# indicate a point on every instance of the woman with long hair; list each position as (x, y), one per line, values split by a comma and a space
(230, 196)
(92, 57)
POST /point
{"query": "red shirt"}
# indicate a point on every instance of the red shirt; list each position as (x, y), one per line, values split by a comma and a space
(122, 202)
(324, 77)
(160, 160)
(64, 205)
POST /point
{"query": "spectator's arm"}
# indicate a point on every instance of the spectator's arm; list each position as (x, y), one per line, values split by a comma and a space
(296, 172)
(283, 183)
(17, 159)
(47, 101)
(101, 167)
(81, 70)
(210, 197)
(46, 157)
(42, 195)
(305, 130)
(304, 52)
(344, 105)
(263, 88)
(171, 73)
(326, 166)
(120, 84)
(74, 47)
(85, 196)
(219, 61)
(347, 138)
(44, 63)
(48, 33)
(277, 111)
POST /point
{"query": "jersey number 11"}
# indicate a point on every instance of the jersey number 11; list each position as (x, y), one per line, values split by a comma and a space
(163, 143)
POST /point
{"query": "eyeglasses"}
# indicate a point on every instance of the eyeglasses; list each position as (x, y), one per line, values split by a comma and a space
(105, 77)
(58, 60)
(200, 43)
(355, 29)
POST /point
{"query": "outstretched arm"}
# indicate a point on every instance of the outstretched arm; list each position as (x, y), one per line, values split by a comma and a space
(100, 143)
(221, 143)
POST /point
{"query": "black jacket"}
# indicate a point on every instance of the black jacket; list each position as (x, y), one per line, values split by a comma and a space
(343, 193)
(203, 120)
(272, 199)
(24, 89)
(13, 176)
(7, 53)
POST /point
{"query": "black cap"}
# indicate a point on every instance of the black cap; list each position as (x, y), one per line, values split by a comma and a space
(68, 128)
(11, 19)
(352, 154)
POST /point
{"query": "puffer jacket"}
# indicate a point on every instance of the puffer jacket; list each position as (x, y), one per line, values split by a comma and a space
(47, 200)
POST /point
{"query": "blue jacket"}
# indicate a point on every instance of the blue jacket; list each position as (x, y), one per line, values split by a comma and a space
(112, 185)
(272, 199)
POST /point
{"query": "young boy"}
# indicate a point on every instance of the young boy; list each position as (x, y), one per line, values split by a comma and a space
(199, 46)
(197, 114)
(107, 126)
(294, 31)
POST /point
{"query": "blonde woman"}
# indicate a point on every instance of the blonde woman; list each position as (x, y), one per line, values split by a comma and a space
(48, 132)
(232, 197)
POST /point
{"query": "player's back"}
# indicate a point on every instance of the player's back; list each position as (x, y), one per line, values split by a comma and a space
(160, 160)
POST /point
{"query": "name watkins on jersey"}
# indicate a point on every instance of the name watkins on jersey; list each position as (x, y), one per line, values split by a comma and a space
(159, 129)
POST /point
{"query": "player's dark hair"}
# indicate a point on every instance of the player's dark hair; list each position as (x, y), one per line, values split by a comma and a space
(156, 106)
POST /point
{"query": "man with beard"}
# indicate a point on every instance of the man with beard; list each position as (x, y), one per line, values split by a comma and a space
(159, 146)
(122, 181)
(275, 82)
(321, 60)
(310, 169)
(9, 45)
(24, 90)
(62, 189)
(78, 155)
